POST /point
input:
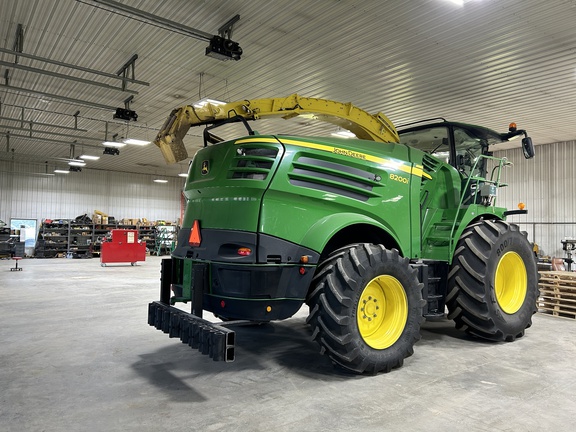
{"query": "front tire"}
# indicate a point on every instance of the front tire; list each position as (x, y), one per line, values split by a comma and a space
(366, 308)
(493, 282)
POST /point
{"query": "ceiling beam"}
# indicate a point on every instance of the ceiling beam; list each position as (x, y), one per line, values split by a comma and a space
(22, 122)
(162, 22)
(41, 140)
(19, 41)
(30, 130)
(58, 97)
(80, 68)
(76, 115)
(66, 77)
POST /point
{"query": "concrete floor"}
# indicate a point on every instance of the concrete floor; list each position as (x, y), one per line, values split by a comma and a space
(76, 354)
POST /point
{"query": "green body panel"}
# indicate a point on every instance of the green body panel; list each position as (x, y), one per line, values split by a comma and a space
(217, 199)
(376, 177)
(310, 216)
(315, 187)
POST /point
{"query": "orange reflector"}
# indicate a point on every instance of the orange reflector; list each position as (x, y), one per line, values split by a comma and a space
(304, 259)
(195, 238)
(521, 206)
(244, 251)
(268, 309)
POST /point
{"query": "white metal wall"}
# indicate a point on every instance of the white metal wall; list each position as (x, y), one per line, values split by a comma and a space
(25, 193)
(547, 185)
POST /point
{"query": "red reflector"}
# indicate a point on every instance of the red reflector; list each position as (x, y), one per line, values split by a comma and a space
(244, 251)
(302, 270)
(195, 238)
(222, 303)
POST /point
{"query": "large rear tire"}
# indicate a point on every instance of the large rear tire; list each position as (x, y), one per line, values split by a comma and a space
(366, 308)
(493, 282)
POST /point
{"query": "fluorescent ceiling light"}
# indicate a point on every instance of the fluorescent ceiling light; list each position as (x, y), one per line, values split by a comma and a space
(344, 134)
(183, 175)
(77, 163)
(160, 181)
(457, 2)
(113, 144)
(89, 157)
(206, 101)
(61, 171)
(136, 141)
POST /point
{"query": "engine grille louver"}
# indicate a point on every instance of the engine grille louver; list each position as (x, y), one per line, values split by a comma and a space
(253, 162)
(333, 178)
(430, 166)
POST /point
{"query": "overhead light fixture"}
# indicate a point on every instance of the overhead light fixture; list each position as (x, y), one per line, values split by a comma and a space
(344, 134)
(89, 157)
(136, 142)
(113, 144)
(59, 171)
(159, 180)
(183, 175)
(77, 163)
(223, 49)
(205, 101)
(75, 169)
(111, 151)
(125, 114)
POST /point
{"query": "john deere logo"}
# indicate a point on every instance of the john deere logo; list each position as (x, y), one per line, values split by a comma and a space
(205, 167)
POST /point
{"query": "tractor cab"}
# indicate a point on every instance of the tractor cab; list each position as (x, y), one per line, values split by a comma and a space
(460, 144)
(465, 147)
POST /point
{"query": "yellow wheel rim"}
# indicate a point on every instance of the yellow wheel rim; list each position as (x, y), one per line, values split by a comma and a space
(382, 312)
(511, 282)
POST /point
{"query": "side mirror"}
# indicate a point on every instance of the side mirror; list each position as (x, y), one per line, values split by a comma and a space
(528, 148)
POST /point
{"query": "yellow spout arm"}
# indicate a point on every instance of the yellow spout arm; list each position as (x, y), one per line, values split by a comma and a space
(366, 126)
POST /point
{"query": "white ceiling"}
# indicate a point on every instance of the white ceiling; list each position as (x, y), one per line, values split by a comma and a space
(487, 62)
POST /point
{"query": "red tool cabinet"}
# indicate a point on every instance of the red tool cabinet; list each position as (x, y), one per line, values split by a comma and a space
(124, 246)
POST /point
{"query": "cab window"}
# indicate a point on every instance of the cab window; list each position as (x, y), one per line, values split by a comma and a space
(468, 151)
(432, 140)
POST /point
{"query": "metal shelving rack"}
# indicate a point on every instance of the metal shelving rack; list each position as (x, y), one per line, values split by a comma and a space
(61, 237)
(53, 238)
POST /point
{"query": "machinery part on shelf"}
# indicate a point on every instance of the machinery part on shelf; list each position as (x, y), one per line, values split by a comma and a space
(366, 308)
(493, 281)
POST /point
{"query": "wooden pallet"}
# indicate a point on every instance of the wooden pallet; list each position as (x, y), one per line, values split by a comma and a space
(557, 293)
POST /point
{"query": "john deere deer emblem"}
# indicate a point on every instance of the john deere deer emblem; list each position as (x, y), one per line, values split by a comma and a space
(205, 167)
